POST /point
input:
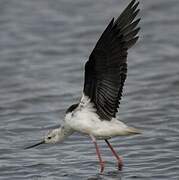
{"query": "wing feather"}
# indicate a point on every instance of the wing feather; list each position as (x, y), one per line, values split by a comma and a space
(106, 69)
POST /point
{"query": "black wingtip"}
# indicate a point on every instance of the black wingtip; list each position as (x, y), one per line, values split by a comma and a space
(131, 42)
(128, 14)
(130, 27)
(135, 6)
(131, 34)
(131, 4)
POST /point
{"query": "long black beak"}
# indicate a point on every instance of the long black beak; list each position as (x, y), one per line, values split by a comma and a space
(42, 142)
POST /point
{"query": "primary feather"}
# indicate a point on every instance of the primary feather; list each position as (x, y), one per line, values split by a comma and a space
(106, 69)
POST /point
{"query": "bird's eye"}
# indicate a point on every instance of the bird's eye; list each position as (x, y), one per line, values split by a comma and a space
(49, 137)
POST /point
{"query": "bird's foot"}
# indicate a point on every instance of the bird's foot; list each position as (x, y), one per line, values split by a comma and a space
(102, 164)
(120, 163)
(120, 166)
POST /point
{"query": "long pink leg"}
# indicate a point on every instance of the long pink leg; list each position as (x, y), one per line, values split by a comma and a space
(101, 162)
(119, 159)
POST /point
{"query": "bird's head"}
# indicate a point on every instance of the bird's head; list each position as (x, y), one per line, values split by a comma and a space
(52, 137)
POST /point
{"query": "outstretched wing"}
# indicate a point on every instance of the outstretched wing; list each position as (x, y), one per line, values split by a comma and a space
(106, 69)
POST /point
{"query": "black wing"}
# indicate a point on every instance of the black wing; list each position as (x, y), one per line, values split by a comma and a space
(106, 69)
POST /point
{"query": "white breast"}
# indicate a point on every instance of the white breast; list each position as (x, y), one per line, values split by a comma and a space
(85, 120)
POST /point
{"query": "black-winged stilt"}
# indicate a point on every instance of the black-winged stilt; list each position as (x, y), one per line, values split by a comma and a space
(105, 74)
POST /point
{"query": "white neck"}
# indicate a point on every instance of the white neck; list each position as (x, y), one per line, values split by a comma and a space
(58, 135)
(64, 132)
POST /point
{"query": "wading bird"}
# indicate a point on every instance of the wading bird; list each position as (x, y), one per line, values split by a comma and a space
(105, 74)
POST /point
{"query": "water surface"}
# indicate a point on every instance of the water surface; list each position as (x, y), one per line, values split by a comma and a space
(43, 48)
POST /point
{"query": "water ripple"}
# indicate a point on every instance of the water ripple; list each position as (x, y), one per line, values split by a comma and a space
(44, 45)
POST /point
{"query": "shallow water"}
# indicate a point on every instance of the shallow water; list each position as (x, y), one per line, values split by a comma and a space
(43, 48)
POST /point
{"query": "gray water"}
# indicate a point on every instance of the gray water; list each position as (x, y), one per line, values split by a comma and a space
(43, 48)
